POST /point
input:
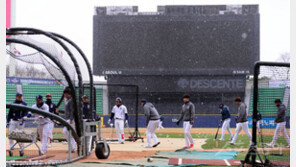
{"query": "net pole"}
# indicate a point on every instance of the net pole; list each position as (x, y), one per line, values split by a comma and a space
(255, 103)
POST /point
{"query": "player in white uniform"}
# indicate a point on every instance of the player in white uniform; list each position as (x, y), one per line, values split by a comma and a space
(52, 109)
(119, 113)
(43, 123)
(241, 121)
(280, 121)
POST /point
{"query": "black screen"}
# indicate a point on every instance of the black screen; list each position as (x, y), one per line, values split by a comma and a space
(169, 45)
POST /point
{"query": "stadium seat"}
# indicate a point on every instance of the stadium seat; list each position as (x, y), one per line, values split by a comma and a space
(266, 100)
(10, 94)
(31, 91)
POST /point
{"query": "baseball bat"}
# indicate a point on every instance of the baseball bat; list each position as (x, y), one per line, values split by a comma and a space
(129, 131)
(218, 129)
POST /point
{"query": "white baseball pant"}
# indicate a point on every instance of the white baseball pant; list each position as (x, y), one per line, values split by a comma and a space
(160, 126)
(226, 126)
(43, 130)
(119, 127)
(66, 133)
(150, 132)
(188, 138)
(241, 126)
(259, 123)
(15, 125)
(280, 127)
(51, 126)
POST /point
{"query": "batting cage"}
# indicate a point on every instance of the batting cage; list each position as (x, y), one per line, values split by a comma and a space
(104, 100)
(45, 67)
(270, 110)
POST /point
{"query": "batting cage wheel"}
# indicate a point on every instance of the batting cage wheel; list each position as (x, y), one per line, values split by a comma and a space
(102, 150)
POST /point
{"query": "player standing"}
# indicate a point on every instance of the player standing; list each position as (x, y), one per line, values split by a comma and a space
(152, 122)
(119, 113)
(52, 109)
(187, 115)
(43, 123)
(224, 110)
(69, 109)
(280, 121)
(241, 120)
(16, 118)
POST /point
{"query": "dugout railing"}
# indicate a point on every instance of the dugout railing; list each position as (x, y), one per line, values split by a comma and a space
(258, 153)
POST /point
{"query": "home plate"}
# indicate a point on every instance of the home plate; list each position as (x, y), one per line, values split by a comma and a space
(222, 162)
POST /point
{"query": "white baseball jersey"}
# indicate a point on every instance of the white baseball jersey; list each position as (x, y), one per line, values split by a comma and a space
(45, 108)
(119, 112)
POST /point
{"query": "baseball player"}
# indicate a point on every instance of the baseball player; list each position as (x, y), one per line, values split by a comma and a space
(280, 121)
(16, 118)
(152, 122)
(224, 110)
(119, 113)
(187, 115)
(241, 120)
(160, 123)
(69, 109)
(259, 121)
(43, 123)
(53, 109)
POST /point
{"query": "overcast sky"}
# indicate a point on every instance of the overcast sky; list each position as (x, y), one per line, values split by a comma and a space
(73, 19)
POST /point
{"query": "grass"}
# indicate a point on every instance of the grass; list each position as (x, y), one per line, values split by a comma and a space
(8, 158)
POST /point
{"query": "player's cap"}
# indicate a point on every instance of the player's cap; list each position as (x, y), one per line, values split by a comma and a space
(84, 97)
(39, 97)
(67, 90)
(119, 99)
(277, 101)
(48, 95)
(238, 99)
(186, 96)
(221, 105)
(18, 94)
(143, 100)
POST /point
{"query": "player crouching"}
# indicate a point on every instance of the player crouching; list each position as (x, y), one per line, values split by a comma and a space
(187, 115)
(152, 122)
(119, 113)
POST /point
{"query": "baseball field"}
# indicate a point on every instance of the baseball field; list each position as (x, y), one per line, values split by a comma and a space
(171, 140)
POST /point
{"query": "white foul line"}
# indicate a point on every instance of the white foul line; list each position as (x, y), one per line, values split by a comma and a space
(227, 163)
(179, 161)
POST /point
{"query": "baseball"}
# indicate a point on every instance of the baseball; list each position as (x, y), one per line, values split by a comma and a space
(150, 160)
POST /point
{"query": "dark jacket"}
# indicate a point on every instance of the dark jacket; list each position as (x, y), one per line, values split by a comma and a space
(281, 114)
(52, 106)
(15, 114)
(242, 115)
(225, 112)
(86, 111)
(69, 109)
(188, 111)
(150, 112)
